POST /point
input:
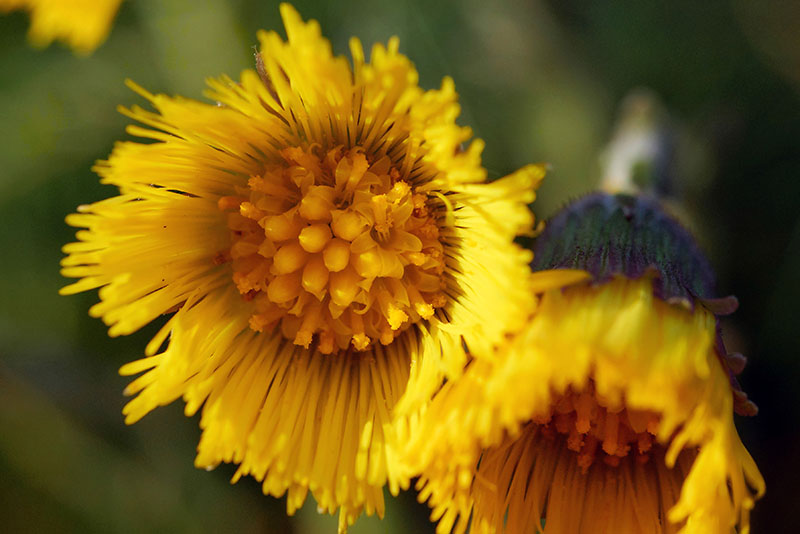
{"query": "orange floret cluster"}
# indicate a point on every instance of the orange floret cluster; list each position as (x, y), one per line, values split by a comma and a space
(333, 245)
(593, 426)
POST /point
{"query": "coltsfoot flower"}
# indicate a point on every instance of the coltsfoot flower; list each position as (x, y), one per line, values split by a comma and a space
(612, 409)
(324, 242)
(81, 24)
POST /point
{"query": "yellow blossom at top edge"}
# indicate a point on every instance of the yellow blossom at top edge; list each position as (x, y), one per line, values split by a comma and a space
(81, 24)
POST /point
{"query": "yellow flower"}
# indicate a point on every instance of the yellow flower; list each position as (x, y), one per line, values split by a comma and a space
(610, 411)
(82, 24)
(326, 240)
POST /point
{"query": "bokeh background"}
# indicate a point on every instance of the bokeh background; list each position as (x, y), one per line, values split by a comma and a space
(539, 81)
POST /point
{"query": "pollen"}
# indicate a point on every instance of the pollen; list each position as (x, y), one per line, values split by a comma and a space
(334, 247)
(596, 429)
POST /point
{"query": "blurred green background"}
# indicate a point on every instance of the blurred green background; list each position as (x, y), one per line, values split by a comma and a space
(539, 81)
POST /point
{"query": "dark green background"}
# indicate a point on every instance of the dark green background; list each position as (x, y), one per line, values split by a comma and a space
(539, 81)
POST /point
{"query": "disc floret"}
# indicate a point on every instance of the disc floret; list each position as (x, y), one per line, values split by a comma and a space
(596, 428)
(333, 246)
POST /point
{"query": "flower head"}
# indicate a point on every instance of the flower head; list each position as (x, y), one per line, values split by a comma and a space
(82, 24)
(612, 409)
(326, 240)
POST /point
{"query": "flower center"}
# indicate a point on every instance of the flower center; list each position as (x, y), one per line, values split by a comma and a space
(336, 247)
(594, 427)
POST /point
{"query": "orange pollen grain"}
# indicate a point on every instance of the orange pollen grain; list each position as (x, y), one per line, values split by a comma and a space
(335, 248)
(593, 427)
